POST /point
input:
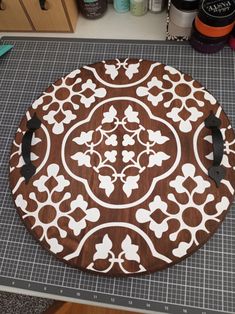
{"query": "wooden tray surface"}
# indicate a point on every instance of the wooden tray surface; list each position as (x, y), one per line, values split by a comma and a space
(122, 157)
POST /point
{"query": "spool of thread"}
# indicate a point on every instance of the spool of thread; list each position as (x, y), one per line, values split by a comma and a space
(206, 44)
(215, 17)
(232, 39)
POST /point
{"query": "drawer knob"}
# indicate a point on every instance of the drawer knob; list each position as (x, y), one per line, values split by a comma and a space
(43, 4)
(2, 5)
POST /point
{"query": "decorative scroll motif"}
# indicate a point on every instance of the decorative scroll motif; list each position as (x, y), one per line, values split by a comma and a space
(18, 152)
(189, 184)
(61, 103)
(52, 203)
(97, 149)
(181, 90)
(130, 68)
(104, 251)
(121, 185)
(229, 149)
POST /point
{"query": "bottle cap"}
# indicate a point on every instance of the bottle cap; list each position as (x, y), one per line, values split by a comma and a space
(217, 12)
(207, 39)
(206, 44)
(212, 31)
(186, 5)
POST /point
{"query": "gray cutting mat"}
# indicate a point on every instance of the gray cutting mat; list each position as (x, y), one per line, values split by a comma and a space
(203, 283)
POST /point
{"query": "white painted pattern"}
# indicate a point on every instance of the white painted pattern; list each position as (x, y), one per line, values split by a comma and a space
(185, 124)
(90, 93)
(68, 116)
(120, 224)
(130, 68)
(18, 152)
(104, 252)
(157, 158)
(89, 214)
(227, 150)
(129, 182)
(201, 187)
(113, 85)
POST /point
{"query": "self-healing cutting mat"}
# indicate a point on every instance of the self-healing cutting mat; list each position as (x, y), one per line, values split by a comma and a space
(123, 167)
(204, 281)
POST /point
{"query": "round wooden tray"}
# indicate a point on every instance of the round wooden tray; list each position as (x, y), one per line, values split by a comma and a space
(123, 167)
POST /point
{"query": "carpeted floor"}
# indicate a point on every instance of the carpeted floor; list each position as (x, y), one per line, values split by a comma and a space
(21, 304)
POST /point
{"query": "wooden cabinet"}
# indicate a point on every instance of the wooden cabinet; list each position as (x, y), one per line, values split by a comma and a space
(13, 17)
(58, 15)
(40, 16)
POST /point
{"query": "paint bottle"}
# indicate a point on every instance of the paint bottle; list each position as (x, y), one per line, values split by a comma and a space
(232, 39)
(92, 9)
(206, 44)
(138, 7)
(215, 17)
(121, 6)
(156, 6)
(183, 12)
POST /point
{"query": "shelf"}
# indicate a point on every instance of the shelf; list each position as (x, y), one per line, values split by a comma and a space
(113, 26)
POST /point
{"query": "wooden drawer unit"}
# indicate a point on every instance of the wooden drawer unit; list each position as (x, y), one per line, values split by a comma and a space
(13, 17)
(52, 15)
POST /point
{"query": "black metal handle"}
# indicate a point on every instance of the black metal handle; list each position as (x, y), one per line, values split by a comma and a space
(2, 5)
(28, 169)
(216, 172)
(43, 4)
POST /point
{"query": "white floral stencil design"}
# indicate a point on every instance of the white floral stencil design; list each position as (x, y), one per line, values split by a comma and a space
(61, 111)
(197, 185)
(229, 148)
(130, 68)
(54, 206)
(185, 115)
(104, 251)
(107, 159)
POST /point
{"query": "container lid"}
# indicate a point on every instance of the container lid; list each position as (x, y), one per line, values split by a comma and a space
(233, 32)
(217, 12)
(113, 168)
(206, 39)
(187, 5)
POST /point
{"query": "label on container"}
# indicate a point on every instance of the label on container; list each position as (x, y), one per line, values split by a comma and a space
(138, 7)
(219, 8)
(121, 5)
(156, 5)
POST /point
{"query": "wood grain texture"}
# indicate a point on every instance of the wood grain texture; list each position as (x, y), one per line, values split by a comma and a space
(72, 13)
(13, 17)
(52, 19)
(74, 308)
(122, 160)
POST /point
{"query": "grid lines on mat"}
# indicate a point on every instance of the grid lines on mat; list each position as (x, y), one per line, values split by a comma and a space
(205, 280)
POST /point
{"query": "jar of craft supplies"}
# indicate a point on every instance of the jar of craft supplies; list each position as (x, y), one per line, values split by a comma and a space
(232, 39)
(181, 16)
(121, 6)
(213, 25)
(206, 44)
(215, 17)
(156, 6)
(138, 7)
(92, 9)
